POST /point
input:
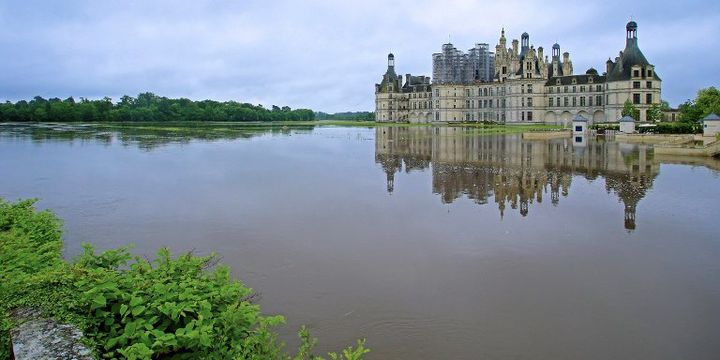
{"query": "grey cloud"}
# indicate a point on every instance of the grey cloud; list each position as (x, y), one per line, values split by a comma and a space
(324, 55)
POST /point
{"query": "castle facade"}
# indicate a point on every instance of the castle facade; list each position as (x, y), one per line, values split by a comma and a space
(527, 86)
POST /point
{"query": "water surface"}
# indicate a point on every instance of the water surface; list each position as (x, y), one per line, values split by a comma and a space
(433, 243)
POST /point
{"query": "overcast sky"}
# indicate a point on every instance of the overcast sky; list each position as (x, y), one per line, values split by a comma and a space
(322, 54)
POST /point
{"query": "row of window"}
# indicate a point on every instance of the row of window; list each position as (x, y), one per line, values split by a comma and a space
(636, 84)
(637, 98)
(480, 92)
(482, 104)
(590, 80)
(566, 88)
(584, 101)
(642, 73)
(420, 104)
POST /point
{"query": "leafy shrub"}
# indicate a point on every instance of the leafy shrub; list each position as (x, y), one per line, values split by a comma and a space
(133, 308)
(677, 128)
(605, 126)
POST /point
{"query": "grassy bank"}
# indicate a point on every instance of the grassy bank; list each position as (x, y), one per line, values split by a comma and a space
(180, 126)
(180, 307)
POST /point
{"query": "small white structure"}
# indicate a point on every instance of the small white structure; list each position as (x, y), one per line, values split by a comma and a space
(627, 124)
(579, 124)
(711, 125)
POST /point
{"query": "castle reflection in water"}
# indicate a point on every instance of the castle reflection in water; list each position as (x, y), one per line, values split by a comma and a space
(512, 171)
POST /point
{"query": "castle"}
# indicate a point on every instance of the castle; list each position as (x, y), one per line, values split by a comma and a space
(526, 86)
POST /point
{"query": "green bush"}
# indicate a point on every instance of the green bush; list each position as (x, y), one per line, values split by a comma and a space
(129, 307)
(677, 128)
(605, 126)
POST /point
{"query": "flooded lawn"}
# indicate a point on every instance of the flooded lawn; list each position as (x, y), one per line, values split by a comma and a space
(431, 242)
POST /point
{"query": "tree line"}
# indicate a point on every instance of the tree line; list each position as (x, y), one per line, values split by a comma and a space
(145, 107)
(706, 103)
(353, 115)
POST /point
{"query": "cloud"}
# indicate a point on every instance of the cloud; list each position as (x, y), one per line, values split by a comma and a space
(319, 54)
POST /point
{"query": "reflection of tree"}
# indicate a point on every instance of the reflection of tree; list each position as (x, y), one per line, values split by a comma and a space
(513, 172)
(145, 136)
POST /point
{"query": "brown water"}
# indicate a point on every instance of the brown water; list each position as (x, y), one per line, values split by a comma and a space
(433, 243)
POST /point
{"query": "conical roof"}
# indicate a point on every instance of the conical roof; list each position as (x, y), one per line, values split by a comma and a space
(712, 117)
(631, 56)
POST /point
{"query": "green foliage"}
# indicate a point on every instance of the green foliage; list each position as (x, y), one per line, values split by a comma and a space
(29, 242)
(129, 307)
(706, 103)
(630, 109)
(146, 107)
(655, 113)
(673, 128)
(353, 116)
(605, 126)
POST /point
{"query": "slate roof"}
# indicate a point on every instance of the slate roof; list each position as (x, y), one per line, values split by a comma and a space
(579, 80)
(712, 117)
(631, 56)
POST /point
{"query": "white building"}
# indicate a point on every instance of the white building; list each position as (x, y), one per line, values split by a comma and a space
(530, 87)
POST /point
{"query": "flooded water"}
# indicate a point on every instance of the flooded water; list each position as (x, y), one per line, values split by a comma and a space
(431, 242)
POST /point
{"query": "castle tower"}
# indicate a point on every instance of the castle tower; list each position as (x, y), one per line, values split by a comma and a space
(631, 32)
(567, 68)
(524, 44)
(501, 58)
(387, 93)
(631, 77)
(555, 67)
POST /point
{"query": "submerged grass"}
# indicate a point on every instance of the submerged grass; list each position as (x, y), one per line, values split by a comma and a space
(179, 307)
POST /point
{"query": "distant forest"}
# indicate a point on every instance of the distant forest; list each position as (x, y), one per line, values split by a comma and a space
(359, 115)
(144, 107)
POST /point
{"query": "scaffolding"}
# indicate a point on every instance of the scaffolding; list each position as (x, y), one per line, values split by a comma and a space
(453, 66)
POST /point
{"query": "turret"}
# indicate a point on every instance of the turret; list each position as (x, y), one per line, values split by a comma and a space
(525, 44)
(631, 29)
(515, 47)
(391, 61)
(555, 60)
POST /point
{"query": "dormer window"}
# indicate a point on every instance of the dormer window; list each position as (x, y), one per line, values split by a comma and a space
(590, 79)
(574, 81)
(649, 73)
(558, 82)
(636, 73)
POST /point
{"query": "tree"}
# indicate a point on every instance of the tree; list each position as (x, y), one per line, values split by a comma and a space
(655, 113)
(146, 107)
(630, 109)
(707, 102)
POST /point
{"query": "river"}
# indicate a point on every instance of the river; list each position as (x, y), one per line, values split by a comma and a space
(431, 242)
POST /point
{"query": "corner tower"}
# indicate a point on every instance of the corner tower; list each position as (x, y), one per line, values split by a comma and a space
(631, 77)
